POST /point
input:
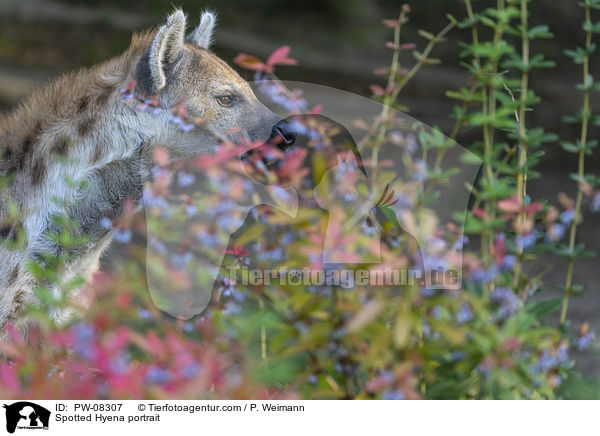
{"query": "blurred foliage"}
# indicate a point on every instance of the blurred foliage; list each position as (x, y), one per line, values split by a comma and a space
(488, 339)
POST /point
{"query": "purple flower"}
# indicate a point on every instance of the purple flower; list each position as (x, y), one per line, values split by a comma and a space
(411, 143)
(596, 202)
(155, 201)
(507, 301)
(185, 179)
(556, 232)
(158, 172)
(420, 173)
(276, 254)
(550, 359)
(191, 210)
(186, 127)
(118, 365)
(457, 356)
(281, 194)
(157, 375)
(464, 315)
(190, 370)
(180, 261)
(485, 276)
(84, 335)
(106, 223)
(144, 314)
(393, 395)
(460, 242)
(584, 341)
(123, 235)
(174, 119)
(526, 241)
(509, 262)
(567, 216)
(208, 239)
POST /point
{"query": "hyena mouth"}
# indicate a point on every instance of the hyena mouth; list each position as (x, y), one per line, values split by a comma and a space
(270, 155)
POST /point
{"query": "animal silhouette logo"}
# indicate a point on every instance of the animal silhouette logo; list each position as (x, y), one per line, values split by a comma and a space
(26, 415)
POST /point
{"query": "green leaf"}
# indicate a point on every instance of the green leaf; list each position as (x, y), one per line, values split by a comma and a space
(544, 308)
(538, 32)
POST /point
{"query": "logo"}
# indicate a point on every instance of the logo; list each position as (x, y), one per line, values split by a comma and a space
(26, 415)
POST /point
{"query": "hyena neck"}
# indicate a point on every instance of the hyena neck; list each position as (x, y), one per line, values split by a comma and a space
(79, 129)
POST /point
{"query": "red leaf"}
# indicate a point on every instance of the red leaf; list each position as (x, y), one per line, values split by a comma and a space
(391, 45)
(14, 334)
(479, 213)
(377, 90)
(291, 163)
(511, 205)
(391, 23)
(533, 208)
(408, 46)
(236, 250)
(9, 378)
(280, 57)
(249, 62)
(161, 156)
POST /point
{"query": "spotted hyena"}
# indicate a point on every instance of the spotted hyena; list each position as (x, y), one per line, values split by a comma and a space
(79, 129)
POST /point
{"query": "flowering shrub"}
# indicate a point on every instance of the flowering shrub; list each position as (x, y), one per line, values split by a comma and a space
(484, 336)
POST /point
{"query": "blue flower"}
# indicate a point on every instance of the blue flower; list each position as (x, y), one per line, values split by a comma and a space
(181, 260)
(584, 341)
(420, 173)
(106, 223)
(144, 314)
(507, 301)
(556, 232)
(84, 335)
(509, 262)
(485, 276)
(157, 245)
(464, 315)
(457, 356)
(526, 241)
(567, 216)
(123, 235)
(190, 370)
(393, 395)
(191, 210)
(185, 179)
(186, 127)
(596, 202)
(460, 242)
(157, 375)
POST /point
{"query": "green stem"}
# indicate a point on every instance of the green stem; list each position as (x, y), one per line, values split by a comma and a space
(522, 166)
(581, 166)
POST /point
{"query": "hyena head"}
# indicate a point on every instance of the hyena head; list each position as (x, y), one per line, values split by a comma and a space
(180, 70)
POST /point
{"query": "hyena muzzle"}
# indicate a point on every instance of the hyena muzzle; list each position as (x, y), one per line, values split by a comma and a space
(75, 149)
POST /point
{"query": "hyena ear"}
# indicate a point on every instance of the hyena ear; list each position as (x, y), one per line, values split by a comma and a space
(202, 35)
(168, 42)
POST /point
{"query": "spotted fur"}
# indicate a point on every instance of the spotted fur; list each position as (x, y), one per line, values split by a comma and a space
(79, 128)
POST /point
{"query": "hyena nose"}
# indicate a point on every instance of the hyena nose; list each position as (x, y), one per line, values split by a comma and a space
(283, 134)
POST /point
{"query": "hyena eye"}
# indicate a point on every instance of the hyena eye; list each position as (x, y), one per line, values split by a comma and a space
(225, 100)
